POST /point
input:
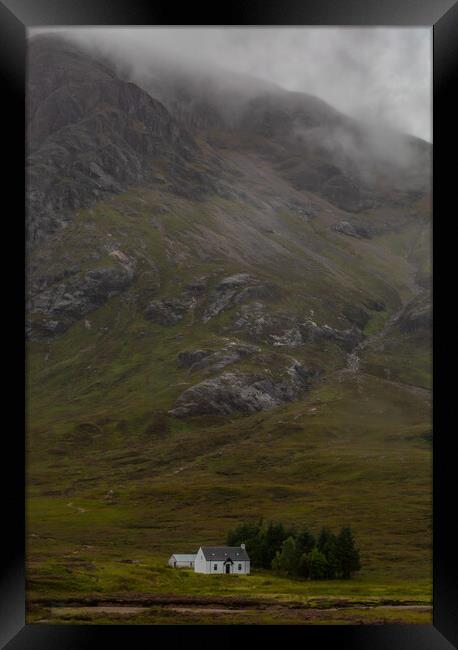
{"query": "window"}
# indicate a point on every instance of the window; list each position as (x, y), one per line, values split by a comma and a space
(240, 567)
(215, 567)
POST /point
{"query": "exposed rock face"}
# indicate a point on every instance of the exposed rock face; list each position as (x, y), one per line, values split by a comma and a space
(56, 308)
(347, 339)
(232, 291)
(279, 330)
(89, 134)
(290, 338)
(167, 312)
(242, 393)
(307, 211)
(170, 311)
(196, 286)
(282, 330)
(215, 359)
(346, 228)
(254, 321)
(353, 230)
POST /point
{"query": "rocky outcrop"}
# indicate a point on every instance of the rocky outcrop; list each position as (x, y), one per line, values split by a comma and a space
(290, 338)
(56, 308)
(347, 339)
(215, 359)
(283, 330)
(190, 358)
(167, 312)
(254, 321)
(242, 393)
(307, 211)
(232, 291)
(347, 228)
(197, 286)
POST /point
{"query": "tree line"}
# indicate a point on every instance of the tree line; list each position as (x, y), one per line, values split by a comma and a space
(297, 552)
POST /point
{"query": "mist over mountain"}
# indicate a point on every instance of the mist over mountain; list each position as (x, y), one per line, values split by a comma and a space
(300, 133)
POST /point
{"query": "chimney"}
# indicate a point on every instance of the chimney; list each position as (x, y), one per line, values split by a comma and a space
(242, 546)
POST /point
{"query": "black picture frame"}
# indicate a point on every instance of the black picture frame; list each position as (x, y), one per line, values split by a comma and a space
(442, 17)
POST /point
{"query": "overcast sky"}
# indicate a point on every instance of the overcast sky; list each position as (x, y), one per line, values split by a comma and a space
(378, 74)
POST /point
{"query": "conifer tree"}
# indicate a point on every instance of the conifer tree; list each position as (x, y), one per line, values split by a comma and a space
(347, 555)
(317, 565)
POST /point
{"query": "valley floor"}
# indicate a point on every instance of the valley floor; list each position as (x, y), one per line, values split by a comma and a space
(100, 555)
(182, 597)
(257, 613)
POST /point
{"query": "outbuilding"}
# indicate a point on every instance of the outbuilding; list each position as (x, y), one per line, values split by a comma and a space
(182, 560)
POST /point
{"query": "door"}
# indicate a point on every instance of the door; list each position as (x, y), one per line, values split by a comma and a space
(228, 568)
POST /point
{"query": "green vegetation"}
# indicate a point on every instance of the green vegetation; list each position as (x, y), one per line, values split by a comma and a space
(297, 552)
(373, 470)
(114, 479)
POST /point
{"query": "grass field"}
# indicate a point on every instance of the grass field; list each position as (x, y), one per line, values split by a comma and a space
(147, 591)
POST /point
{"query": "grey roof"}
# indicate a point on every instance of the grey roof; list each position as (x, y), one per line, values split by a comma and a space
(219, 553)
(184, 557)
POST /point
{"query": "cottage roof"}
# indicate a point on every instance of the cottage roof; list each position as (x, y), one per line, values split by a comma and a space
(221, 553)
(184, 557)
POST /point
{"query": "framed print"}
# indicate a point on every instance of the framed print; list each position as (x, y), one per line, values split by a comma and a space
(230, 229)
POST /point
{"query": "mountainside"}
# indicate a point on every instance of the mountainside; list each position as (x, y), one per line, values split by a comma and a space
(228, 316)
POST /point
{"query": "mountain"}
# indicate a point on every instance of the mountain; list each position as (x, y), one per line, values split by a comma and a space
(228, 314)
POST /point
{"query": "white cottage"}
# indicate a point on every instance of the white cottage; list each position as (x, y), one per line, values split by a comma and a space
(182, 560)
(222, 559)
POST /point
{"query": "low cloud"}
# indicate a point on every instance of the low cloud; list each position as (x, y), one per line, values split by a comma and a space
(381, 76)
